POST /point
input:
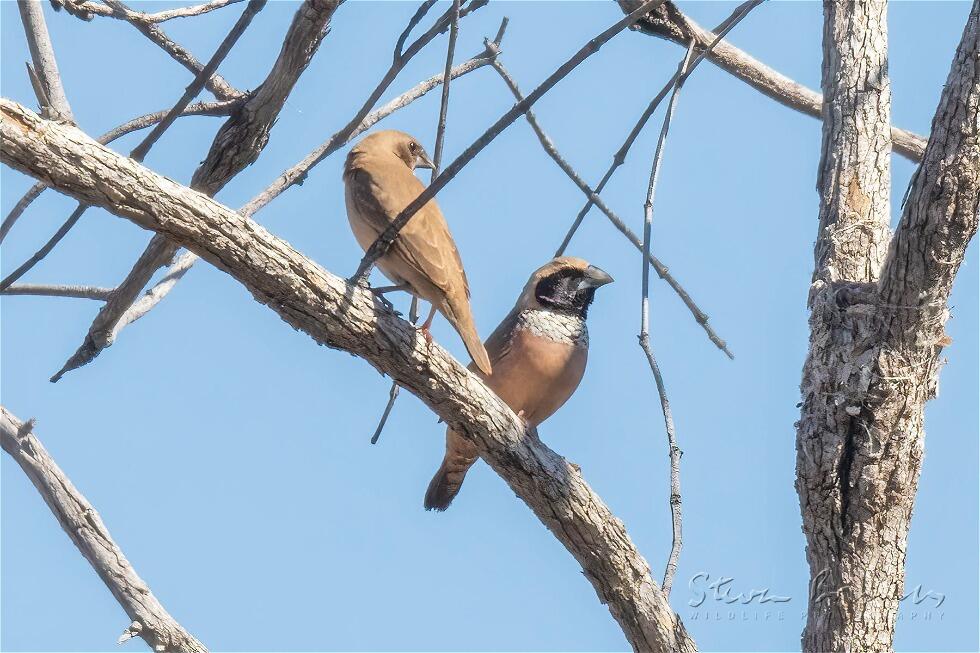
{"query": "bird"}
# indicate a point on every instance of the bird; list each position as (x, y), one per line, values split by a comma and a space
(539, 352)
(379, 182)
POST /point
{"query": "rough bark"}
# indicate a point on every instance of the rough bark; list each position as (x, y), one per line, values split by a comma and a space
(236, 146)
(87, 532)
(669, 22)
(878, 307)
(346, 317)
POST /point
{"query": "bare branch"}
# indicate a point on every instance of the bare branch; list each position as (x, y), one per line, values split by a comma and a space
(670, 23)
(86, 10)
(39, 255)
(46, 290)
(644, 337)
(84, 527)
(619, 158)
(47, 79)
(444, 103)
(186, 12)
(221, 108)
(341, 315)
(380, 246)
(662, 271)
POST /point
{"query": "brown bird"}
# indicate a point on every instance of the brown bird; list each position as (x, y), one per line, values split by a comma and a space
(538, 353)
(379, 182)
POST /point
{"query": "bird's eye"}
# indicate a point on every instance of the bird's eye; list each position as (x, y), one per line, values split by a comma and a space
(413, 147)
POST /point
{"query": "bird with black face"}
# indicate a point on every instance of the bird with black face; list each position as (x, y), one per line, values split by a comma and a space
(379, 182)
(538, 353)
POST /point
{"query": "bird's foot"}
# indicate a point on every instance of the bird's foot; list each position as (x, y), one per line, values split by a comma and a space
(379, 295)
(424, 330)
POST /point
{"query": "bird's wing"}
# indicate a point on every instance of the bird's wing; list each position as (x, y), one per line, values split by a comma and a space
(380, 193)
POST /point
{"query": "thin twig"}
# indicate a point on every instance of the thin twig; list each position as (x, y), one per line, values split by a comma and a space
(186, 12)
(297, 174)
(700, 316)
(620, 157)
(195, 87)
(380, 246)
(83, 525)
(644, 337)
(49, 290)
(139, 152)
(47, 79)
(412, 22)
(436, 161)
(220, 108)
(444, 104)
(45, 249)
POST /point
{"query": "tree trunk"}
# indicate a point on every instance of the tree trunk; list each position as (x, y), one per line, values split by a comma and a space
(878, 307)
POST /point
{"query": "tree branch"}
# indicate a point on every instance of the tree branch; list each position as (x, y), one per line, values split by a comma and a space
(87, 10)
(52, 98)
(46, 290)
(84, 527)
(668, 22)
(343, 316)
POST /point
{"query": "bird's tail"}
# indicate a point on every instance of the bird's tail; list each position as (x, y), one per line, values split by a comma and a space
(460, 315)
(445, 485)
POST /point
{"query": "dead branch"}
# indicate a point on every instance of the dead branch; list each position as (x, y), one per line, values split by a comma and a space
(47, 290)
(77, 517)
(46, 78)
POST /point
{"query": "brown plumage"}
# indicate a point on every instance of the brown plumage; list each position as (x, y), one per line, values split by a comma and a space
(538, 352)
(379, 182)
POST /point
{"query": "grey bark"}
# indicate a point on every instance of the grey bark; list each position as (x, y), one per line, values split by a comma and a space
(878, 307)
(82, 524)
(670, 23)
(346, 317)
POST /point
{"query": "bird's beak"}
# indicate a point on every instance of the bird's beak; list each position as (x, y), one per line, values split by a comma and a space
(596, 277)
(423, 161)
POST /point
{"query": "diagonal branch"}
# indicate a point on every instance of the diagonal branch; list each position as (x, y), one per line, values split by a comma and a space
(594, 200)
(215, 84)
(343, 316)
(221, 108)
(86, 10)
(384, 242)
(51, 93)
(150, 620)
(668, 22)
(237, 145)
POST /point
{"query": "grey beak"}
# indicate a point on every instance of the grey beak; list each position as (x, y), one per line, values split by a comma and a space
(423, 161)
(596, 277)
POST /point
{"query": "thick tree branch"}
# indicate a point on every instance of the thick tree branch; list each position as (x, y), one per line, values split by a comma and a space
(51, 92)
(236, 146)
(83, 525)
(875, 342)
(344, 316)
(669, 22)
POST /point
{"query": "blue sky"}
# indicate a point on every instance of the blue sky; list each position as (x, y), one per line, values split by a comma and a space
(230, 456)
